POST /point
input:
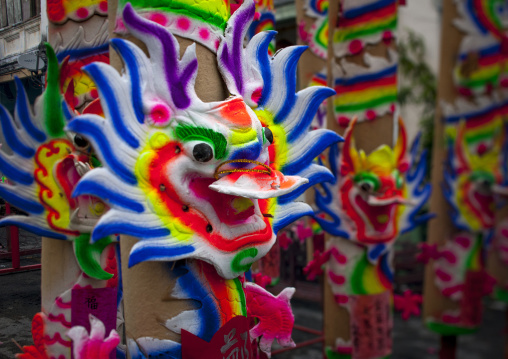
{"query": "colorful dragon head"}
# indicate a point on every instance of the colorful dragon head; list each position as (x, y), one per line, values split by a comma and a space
(213, 181)
(377, 196)
(472, 171)
(45, 166)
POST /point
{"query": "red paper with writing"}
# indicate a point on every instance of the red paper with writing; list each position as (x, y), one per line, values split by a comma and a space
(471, 303)
(101, 302)
(371, 325)
(232, 341)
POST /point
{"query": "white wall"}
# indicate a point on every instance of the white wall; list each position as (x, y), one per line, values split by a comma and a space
(423, 18)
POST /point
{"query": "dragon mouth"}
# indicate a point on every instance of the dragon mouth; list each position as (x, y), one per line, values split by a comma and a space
(260, 182)
(235, 216)
(380, 215)
(85, 210)
(484, 202)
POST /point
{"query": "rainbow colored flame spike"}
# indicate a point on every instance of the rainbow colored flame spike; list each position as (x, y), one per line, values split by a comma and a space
(376, 197)
(474, 164)
(45, 166)
(213, 181)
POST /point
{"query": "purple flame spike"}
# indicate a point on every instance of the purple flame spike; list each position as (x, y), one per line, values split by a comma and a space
(176, 78)
(231, 57)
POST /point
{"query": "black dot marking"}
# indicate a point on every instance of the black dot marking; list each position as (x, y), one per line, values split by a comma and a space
(209, 228)
(162, 188)
(185, 208)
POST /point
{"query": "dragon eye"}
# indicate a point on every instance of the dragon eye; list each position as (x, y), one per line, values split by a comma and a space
(268, 134)
(202, 152)
(80, 142)
(366, 187)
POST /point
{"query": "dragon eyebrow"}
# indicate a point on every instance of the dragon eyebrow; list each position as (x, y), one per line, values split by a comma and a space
(190, 133)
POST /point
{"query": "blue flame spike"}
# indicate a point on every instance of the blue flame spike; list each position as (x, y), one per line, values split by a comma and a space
(93, 127)
(289, 213)
(10, 133)
(322, 139)
(128, 54)
(12, 170)
(103, 81)
(261, 42)
(315, 174)
(23, 112)
(289, 58)
(313, 97)
(25, 223)
(92, 187)
(153, 250)
(25, 204)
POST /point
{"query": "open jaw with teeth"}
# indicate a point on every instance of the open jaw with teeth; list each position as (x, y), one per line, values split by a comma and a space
(231, 210)
(379, 214)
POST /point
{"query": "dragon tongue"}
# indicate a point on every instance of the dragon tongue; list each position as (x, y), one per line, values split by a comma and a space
(257, 185)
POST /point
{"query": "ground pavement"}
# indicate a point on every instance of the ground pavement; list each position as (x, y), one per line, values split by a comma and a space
(20, 300)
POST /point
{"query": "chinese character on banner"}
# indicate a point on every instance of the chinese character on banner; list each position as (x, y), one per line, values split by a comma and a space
(232, 341)
(371, 324)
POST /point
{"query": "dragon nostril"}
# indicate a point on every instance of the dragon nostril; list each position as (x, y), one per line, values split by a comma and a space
(209, 228)
(177, 149)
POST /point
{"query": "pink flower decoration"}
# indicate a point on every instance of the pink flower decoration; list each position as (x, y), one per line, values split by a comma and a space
(315, 266)
(427, 252)
(284, 240)
(95, 345)
(304, 35)
(261, 279)
(370, 115)
(344, 121)
(355, 47)
(387, 37)
(303, 231)
(275, 317)
(488, 284)
(408, 304)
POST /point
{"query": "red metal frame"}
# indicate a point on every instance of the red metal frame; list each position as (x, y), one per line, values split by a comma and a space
(15, 253)
(319, 339)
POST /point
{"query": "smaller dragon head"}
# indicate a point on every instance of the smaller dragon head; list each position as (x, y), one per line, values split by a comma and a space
(373, 189)
(376, 196)
(46, 164)
(472, 172)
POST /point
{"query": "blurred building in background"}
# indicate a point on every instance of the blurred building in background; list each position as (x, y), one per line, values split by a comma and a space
(20, 49)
